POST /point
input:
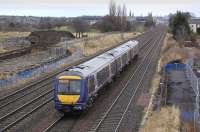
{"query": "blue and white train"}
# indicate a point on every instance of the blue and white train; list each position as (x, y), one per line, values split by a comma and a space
(76, 88)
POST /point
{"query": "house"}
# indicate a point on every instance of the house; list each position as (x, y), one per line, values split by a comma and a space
(194, 25)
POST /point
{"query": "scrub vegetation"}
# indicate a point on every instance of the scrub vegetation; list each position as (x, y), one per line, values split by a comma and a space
(8, 35)
(92, 46)
(166, 120)
(173, 51)
(4, 35)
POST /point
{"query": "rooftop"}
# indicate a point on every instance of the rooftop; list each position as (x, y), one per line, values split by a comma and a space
(195, 21)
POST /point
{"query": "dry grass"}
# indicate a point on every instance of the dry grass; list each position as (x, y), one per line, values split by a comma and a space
(167, 120)
(173, 54)
(5, 35)
(6, 75)
(2, 50)
(155, 83)
(90, 47)
(169, 42)
(171, 51)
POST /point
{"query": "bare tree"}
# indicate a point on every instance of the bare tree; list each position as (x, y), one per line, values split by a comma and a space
(124, 18)
(45, 23)
(117, 18)
(130, 14)
(150, 22)
(112, 8)
(124, 11)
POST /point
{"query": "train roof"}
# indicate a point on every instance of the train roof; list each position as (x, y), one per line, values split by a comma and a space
(93, 65)
(102, 60)
(123, 48)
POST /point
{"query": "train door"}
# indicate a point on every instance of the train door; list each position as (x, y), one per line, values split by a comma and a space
(119, 66)
(91, 84)
(113, 68)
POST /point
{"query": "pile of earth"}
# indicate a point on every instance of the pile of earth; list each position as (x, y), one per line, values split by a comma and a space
(46, 38)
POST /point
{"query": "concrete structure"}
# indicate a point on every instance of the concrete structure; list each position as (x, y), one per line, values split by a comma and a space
(194, 24)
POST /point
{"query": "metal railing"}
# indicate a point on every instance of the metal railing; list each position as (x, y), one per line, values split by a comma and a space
(195, 84)
(47, 67)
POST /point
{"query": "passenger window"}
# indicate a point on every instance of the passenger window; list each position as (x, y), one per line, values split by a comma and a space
(102, 75)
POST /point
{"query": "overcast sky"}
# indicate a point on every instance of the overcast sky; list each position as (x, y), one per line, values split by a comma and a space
(70, 8)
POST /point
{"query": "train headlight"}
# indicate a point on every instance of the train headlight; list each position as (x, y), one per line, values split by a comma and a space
(77, 107)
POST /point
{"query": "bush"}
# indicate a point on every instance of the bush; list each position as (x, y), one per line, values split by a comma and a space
(198, 31)
(179, 26)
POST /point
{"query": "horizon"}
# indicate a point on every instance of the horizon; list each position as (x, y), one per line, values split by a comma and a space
(69, 8)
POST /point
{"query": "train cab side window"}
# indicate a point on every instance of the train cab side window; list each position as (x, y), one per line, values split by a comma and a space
(91, 85)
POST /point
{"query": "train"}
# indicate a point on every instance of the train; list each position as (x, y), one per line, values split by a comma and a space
(76, 88)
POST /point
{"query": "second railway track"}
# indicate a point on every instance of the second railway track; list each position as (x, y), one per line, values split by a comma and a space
(111, 119)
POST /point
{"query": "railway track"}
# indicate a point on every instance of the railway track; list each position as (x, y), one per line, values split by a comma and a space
(45, 80)
(112, 118)
(133, 99)
(145, 45)
(41, 94)
(16, 52)
(32, 87)
(144, 50)
(53, 124)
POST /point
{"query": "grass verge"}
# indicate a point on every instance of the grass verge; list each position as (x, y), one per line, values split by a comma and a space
(92, 46)
(168, 118)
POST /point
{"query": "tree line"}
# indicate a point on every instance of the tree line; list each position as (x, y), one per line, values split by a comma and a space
(116, 20)
(29, 23)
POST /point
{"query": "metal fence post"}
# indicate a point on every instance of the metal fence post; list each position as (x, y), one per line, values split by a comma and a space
(198, 103)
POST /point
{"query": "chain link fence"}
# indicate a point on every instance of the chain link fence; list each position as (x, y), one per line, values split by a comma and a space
(36, 72)
(195, 84)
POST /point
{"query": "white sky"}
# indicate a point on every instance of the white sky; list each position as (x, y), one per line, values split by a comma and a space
(70, 8)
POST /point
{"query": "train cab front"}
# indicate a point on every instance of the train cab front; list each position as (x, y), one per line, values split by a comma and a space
(69, 93)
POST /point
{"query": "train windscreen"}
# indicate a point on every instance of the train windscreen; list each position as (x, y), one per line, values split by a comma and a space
(68, 87)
